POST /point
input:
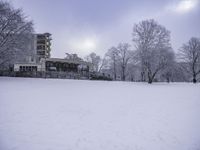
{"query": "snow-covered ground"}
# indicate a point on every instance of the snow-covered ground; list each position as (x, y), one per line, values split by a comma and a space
(45, 114)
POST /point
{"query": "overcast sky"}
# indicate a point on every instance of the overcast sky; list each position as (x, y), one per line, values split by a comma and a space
(83, 26)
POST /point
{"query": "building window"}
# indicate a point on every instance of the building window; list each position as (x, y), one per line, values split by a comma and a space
(20, 68)
(41, 47)
(27, 68)
(41, 42)
(41, 52)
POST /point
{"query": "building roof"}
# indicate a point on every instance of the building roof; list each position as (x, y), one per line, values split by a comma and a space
(67, 61)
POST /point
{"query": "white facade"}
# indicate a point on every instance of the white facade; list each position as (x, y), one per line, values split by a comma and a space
(28, 67)
(33, 62)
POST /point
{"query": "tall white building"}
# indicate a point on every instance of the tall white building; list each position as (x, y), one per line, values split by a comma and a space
(42, 44)
(40, 48)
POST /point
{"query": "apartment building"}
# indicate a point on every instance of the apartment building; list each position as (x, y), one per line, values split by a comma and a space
(43, 45)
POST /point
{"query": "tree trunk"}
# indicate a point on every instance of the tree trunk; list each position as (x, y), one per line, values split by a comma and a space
(123, 74)
(150, 78)
(123, 77)
(142, 76)
(168, 80)
(194, 79)
(115, 74)
(150, 81)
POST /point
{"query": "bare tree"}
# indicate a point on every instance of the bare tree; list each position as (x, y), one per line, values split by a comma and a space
(119, 57)
(174, 72)
(124, 56)
(103, 64)
(152, 42)
(112, 56)
(190, 55)
(95, 60)
(14, 33)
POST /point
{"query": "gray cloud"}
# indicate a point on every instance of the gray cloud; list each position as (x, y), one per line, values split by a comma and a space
(77, 24)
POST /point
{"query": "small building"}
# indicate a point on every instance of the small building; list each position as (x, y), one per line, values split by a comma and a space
(65, 65)
(30, 67)
(54, 64)
(41, 64)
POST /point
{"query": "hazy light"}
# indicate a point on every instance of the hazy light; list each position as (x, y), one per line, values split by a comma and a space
(183, 6)
(85, 45)
(186, 5)
(89, 44)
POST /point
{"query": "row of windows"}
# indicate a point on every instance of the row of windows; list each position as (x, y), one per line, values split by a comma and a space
(41, 47)
(41, 52)
(28, 68)
(49, 64)
(41, 42)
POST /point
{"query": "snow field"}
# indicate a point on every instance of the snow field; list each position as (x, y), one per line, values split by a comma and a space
(50, 114)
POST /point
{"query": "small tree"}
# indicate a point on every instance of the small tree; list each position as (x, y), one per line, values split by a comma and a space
(119, 57)
(112, 56)
(152, 42)
(124, 55)
(190, 55)
(95, 60)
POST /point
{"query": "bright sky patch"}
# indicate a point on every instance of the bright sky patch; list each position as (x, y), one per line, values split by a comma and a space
(184, 6)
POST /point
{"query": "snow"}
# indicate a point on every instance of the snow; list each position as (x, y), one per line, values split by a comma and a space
(51, 114)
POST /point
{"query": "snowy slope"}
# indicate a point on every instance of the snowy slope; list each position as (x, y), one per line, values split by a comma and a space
(45, 114)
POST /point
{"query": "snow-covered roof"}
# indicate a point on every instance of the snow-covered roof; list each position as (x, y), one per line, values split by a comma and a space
(67, 61)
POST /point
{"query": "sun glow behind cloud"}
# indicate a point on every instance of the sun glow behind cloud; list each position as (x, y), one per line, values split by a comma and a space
(85, 45)
(183, 6)
(186, 5)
